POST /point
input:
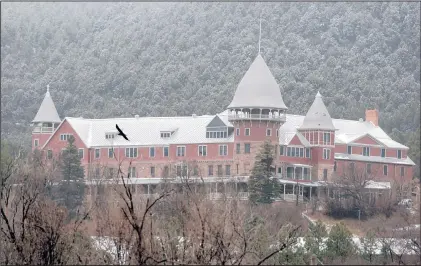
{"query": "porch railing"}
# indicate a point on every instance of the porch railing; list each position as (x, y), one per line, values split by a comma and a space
(281, 117)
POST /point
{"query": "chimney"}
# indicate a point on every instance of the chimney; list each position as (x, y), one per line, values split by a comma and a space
(372, 116)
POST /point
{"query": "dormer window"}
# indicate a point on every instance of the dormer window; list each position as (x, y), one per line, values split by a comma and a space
(110, 135)
(65, 137)
(165, 134)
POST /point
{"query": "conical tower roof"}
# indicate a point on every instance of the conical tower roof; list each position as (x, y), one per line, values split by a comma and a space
(47, 112)
(317, 116)
(258, 88)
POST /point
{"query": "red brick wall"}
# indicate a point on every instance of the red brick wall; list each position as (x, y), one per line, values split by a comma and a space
(257, 131)
(42, 139)
(367, 140)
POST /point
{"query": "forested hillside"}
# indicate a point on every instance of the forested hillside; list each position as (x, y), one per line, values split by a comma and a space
(165, 59)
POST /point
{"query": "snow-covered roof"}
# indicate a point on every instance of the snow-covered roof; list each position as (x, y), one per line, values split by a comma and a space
(374, 159)
(145, 131)
(318, 116)
(346, 131)
(47, 112)
(258, 88)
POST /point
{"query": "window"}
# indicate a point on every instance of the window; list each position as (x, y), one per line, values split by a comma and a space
(383, 152)
(97, 153)
(132, 171)
(166, 151)
(216, 134)
(110, 152)
(366, 151)
(307, 152)
(334, 166)
(402, 171)
(36, 142)
(238, 169)
(219, 170)
(277, 132)
(65, 137)
(109, 135)
(325, 174)
(151, 151)
(110, 172)
(153, 171)
(49, 154)
(268, 132)
(290, 172)
(349, 149)
(385, 170)
(227, 170)
(246, 147)
(237, 131)
(238, 147)
(399, 154)
(210, 170)
(203, 150)
(306, 174)
(326, 138)
(281, 150)
(80, 152)
(195, 170)
(165, 135)
(326, 154)
(279, 170)
(368, 168)
(131, 152)
(289, 152)
(247, 132)
(181, 151)
(223, 150)
(302, 152)
(292, 151)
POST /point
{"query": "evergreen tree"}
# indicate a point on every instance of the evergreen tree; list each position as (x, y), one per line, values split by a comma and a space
(369, 246)
(314, 240)
(262, 186)
(72, 188)
(339, 243)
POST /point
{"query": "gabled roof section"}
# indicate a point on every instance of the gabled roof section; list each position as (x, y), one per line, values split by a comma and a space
(216, 122)
(47, 112)
(317, 116)
(258, 88)
(79, 131)
(373, 141)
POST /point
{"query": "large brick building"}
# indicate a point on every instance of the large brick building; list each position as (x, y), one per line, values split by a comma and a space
(309, 149)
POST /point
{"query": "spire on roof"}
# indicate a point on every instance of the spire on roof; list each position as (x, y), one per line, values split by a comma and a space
(318, 116)
(258, 88)
(47, 112)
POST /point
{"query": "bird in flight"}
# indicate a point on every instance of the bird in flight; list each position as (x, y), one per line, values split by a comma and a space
(120, 132)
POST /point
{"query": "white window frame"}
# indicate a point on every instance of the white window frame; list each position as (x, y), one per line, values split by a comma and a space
(165, 135)
(131, 154)
(132, 172)
(112, 154)
(247, 130)
(237, 132)
(225, 150)
(277, 132)
(309, 152)
(368, 151)
(326, 154)
(65, 136)
(154, 171)
(268, 130)
(397, 154)
(180, 148)
(154, 152)
(387, 170)
(402, 171)
(202, 150)
(48, 153)
(83, 152)
(36, 142)
(238, 148)
(381, 149)
(245, 151)
(163, 151)
(348, 149)
(99, 153)
(324, 139)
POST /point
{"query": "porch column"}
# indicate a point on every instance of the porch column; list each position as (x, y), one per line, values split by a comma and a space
(293, 189)
(310, 191)
(216, 187)
(293, 176)
(236, 186)
(148, 189)
(302, 172)
(284, 191)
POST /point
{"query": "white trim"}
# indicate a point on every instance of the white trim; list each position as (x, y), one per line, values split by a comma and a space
(368, 149)
(330, 154)
(99, 155)
(37, 142)
(397, 152)
(163, 151)
(270, 132)
(245, 147)
(154, 152)
(219, 149)
(245, 132)
(137, 152)
(184, 152)
(83, 152)
(237, 131)
(206, 150)
(63, 138)
(387, 170)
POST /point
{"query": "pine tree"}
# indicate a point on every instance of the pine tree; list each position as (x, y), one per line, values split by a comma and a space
(314, 240)
(262, 186)
(339, 243)
(72, 188)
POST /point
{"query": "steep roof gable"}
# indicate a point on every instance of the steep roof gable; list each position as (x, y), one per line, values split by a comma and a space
(367, 139)
(216, 122)
(258, 88)
(318, 116)
(47, 112)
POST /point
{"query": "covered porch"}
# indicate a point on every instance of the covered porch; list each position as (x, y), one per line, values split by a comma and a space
(304, 191)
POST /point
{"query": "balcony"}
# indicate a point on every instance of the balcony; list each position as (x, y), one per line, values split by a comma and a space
(261, 117)
(43, 130)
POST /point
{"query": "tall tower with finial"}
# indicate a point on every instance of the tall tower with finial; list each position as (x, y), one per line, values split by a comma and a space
(256, 111)
(45, 122)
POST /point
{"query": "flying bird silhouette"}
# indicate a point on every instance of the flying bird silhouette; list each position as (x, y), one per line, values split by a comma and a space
(120, 132)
